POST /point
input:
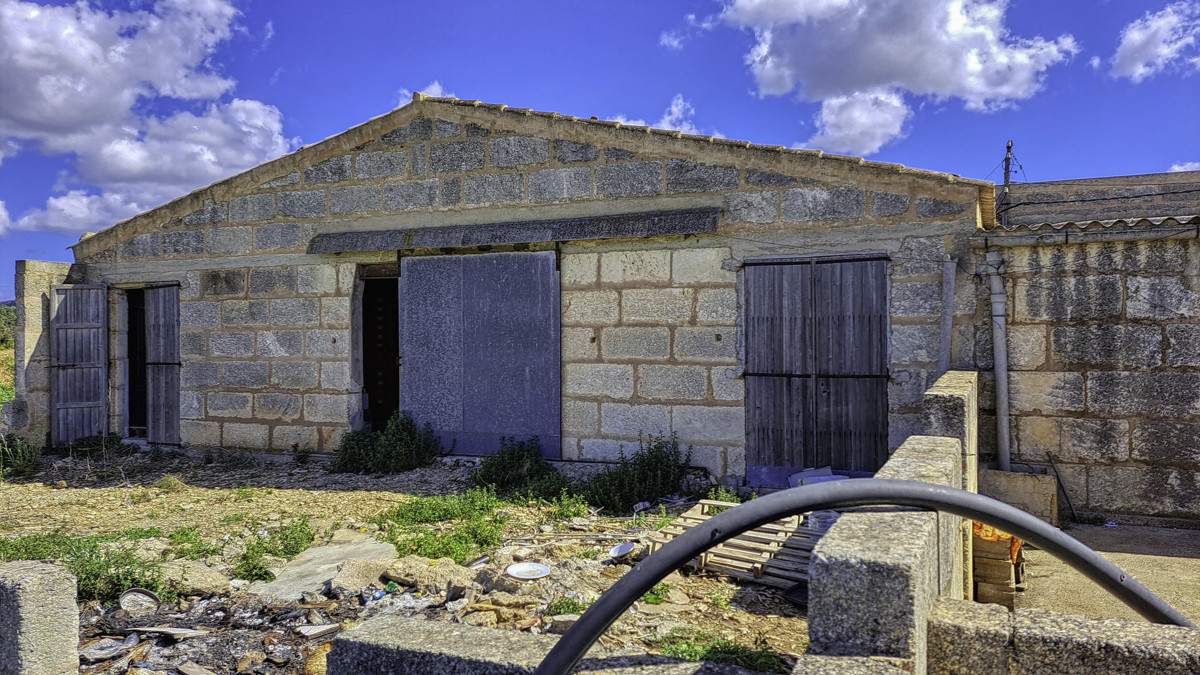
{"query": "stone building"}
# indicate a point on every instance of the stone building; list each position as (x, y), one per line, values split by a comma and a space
(504, 272)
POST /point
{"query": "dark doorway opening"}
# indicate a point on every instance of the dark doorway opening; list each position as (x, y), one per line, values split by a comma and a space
(381, 350)
(136, 347)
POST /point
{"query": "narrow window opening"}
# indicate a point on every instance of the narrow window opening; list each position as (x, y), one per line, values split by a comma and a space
(381, 350)
(136, 346)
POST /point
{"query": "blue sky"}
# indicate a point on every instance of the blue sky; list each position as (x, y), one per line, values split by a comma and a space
(112, 107)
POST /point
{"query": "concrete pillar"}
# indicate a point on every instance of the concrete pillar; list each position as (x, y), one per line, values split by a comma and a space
(951, 408)
(28, 415)
(39, 621)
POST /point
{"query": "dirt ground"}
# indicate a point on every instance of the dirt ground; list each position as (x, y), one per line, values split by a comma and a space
(1167, 561)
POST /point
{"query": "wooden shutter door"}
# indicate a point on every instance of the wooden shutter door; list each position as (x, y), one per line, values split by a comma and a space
(78, 362)
(162, 364)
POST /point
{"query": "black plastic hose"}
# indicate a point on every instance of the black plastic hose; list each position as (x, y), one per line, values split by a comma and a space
(837, 495)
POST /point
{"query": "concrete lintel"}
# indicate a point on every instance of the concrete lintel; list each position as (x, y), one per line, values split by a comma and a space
(624, 226)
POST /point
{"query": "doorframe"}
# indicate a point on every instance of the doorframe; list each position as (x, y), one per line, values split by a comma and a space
(118, 356)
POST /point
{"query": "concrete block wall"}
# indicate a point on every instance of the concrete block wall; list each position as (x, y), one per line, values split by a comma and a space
(1104, 348)
(28, 415)
(650, 347)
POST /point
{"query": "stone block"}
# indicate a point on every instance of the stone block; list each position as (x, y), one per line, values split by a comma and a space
(726, 388)
(290, 179)
(327, 343)
(1125, 394)
(231, 344)
(633, 178)
(635, 343)
(245, 436)
(229, 240)
(579, 344)
(717, 306)
(968, 638)
(919, 257)
(701, 266)
(335, 375)
(141, 246)
(446, 129)
(884, 204)
(917, 299)
(906, 387)
(624, 419)
(418, 160)
(316, 280)
(616, 154)
(456, 157)
(223, 282)
(245, 313)
(354, 199)
(1167, 444)
(285, 437)
(193, 432)
(580, 417)
(1077, 298)
(451, 191)
(769, 179)
(252, 207)
(414, 194)
(419, 129)
(1139, 256)
(210, 212)
(554, 185)
(381, 164)
(1144, 491)
(752, 207)
(183, 243)
(598, 379)
(933, 208)
(223, 404)
(808, 204)
(685, 176)
(295, 312)
(1045, 392)
(709, 423)
(200, 314)
(605, 449)
(569, 151)
(672, 382)
(276, 406)
(277, 236)
(711, 345)
(1026, 346)
(326, 408)
(511, 151)
(635, 267)
(191, 405)
(578, 269)
(1048, 642)
(197, 374)
(915, 344)
(244, 374)
(1033, 493)
(39, 620)
(494, 188)
(294, 375)
(1160, 298)
(1184, 347)
(302, 204)
(657, 306)
(272, 281)
(1112, 346)
(335, 312)
(589, 308)
(335, 170)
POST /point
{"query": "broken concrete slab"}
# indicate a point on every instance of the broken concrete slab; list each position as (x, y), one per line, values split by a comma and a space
(314, 569)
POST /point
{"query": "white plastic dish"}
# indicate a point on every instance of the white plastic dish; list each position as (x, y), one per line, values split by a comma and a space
(527, 570)
(622, 550)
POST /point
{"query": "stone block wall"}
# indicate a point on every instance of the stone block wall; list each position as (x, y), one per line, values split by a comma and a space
(649, 341)
(28, 415)
(1104, 345)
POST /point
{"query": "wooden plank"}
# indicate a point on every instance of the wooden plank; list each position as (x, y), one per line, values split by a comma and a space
(78, 362)
(162, 364)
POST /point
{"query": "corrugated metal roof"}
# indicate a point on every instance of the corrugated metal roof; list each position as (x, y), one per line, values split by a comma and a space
(1119, 223)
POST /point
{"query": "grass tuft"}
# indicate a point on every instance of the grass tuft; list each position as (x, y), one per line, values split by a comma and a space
(691, 645)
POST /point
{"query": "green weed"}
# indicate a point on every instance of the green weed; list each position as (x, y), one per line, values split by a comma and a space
(656, 595)
(474, 503)
(566, 506)
(243, 494)
(287, 541)
(102, 572)
(401, 446)
(690, 645)
(589, 554)
(462, 543)
(656, 469)
(565, 605)
(233, 518)
(17, 458)
(170, 483)
(519, 469)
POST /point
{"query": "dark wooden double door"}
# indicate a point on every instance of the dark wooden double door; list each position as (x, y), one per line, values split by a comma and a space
(816, 365)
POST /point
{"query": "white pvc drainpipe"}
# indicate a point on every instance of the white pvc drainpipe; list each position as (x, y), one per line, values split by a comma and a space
(995, 261)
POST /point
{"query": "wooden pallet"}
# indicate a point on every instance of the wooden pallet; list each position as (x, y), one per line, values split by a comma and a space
(775, 554)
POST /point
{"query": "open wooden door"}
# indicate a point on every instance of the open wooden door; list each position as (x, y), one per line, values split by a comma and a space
(162, 364)
(78, 362)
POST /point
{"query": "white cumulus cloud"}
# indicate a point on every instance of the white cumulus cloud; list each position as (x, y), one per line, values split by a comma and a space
(76, 81)
(1184, 166)
(679, 115)
(1157, 41)
(861, 58)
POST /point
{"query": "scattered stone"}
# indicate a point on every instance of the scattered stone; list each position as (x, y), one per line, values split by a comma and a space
(355, 574)
(431, 577)
(318, 631)
(250, 659)
(190, 668)
(190, 577)
(315, 568)
(560, 623)
(103, 650)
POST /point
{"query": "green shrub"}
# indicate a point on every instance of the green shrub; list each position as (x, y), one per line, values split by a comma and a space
(17, 458)
(568, 506)
(103, 570)
(656, 469)
(656, 595)
(518, 469)
(170, 483)
(286, 542)
(462, 543)
(189, 544)
(401, 446)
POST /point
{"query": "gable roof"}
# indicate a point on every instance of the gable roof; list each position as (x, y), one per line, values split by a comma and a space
(666, 141)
